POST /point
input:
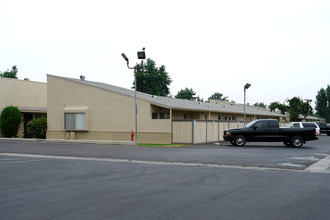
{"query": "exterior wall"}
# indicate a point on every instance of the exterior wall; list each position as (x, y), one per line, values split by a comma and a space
(30, 97)
(109, 115)
(22, 93)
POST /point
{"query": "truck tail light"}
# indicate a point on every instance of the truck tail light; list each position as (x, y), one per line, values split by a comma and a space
(315, 131)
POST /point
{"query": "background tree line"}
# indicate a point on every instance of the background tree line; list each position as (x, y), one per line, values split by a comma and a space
(156, 81)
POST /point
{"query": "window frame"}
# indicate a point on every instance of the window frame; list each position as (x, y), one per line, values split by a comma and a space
(76, 121)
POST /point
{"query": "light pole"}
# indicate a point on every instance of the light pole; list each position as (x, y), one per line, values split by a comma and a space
(141, 56)
(247, 85)
(309, 101)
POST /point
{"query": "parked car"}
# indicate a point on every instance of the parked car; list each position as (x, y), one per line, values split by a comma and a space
(324, 128)
(304, 125)
(268, 130)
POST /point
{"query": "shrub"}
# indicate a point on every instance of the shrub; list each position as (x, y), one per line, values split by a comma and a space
(9, 121)
(37, 128)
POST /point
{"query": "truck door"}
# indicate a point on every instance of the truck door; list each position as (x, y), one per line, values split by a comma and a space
(273, 131)
(260, 131)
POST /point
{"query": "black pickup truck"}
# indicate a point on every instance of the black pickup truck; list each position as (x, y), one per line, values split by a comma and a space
(268, 130)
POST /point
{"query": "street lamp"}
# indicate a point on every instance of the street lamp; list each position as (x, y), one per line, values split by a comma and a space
(247, 85)
(141, 56)
(309, 101)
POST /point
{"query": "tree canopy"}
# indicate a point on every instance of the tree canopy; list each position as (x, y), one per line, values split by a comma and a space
(276, 105)
(152, 80)
(323, 103)
(218, 96)
(260, 104)
(10, 74)
(186, 94)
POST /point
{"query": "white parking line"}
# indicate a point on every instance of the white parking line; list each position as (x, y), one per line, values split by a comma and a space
(160, 162)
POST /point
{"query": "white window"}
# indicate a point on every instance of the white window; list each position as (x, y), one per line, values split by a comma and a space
(74, 121)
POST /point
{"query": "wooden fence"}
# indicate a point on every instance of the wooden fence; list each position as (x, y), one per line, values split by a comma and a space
(201, 131)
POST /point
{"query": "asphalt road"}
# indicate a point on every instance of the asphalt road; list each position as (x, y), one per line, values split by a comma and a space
(41, 180)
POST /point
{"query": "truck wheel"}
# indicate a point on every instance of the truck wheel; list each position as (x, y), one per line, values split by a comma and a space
(287, 143)
(328, 134)
(239, 140)
(297, 141)
(233, 143)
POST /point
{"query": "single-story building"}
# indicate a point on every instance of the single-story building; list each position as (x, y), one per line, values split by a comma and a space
(81, 109)
(30, 98)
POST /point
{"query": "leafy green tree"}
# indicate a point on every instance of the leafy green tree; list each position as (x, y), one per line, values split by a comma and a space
(305, 109)
(218, 96)
(261, 105)
(276, 105)
(323, 103)
(9, 121)
(152, 80)
(10, 74)
(186, 94)
(295, 108)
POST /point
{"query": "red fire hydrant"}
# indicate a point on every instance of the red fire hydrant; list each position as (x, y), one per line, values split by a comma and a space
(132, 136)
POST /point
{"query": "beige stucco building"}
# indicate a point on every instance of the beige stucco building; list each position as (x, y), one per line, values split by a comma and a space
(80, 109)
(30, 98)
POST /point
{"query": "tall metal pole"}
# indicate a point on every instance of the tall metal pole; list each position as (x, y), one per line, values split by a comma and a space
(141, 56)
(244, 107)
(136, 126)
(247, 85)
(309, 101)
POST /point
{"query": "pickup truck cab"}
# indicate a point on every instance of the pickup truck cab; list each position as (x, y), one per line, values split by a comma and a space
(268, 130)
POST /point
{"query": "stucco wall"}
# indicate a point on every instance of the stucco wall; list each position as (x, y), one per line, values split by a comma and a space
(28, 96)
(110, 116)
(22, 93)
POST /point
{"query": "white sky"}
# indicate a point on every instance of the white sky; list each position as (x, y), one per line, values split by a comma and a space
(281, 47)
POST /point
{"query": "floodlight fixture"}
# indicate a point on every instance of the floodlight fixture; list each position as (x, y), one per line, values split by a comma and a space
(141, 54)
(247, 85)
(125, 57)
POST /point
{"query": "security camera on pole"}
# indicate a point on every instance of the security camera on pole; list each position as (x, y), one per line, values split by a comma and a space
(141, 56)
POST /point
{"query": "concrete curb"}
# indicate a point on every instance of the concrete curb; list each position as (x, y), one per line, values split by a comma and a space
(71, 141)
(321, 166)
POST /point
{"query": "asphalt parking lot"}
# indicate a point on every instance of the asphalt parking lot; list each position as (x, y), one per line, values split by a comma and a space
(41, 180)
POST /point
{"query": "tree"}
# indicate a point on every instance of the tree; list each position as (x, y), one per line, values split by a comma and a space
(152, 80)
(323, 103)
(295, 108)
(218, 96)
(276, 105)
(261, 105)
(305, 109)
(186, 94)
(9, 121)
(10, 74)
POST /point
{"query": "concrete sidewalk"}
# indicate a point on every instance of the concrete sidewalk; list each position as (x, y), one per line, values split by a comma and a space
(321, 166)
(71, 141)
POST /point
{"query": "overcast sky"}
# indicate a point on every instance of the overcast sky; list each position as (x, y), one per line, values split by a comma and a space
(281, 47)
